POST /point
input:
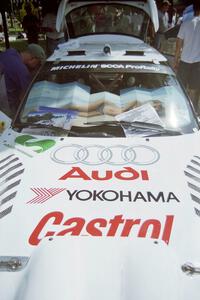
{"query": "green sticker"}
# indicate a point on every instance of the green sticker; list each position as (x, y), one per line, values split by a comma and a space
(31, 141)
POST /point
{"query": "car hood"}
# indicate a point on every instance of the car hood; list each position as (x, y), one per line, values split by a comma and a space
(118, 216)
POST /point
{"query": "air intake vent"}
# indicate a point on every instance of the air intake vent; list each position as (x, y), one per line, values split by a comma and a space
(76, 52)
(134, 53)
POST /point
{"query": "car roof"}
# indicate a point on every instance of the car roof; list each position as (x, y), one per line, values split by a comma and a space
(92, 48)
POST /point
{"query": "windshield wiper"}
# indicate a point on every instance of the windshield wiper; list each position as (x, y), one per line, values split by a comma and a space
(136, 125)
(59, 130)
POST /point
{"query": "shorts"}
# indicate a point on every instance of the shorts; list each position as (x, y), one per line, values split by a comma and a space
(189, 74)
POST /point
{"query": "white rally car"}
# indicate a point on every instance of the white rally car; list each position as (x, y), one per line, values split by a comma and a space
(100, 174)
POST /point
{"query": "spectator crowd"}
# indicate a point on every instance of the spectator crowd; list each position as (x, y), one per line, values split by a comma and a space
(186, 29)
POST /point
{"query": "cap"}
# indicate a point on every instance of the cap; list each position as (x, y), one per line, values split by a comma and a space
(37, 51)
(166, 2)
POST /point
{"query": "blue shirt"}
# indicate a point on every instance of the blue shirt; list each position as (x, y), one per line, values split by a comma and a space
(17, 76)
(188, 13)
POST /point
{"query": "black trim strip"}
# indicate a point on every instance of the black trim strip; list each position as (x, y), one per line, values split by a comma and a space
(8, 198)
(9, 187)
(194, 187)
(197, 211)
(192, 176)
(10, 170)
(1, 161)
(194, 169)
(195, 198)
(195, 162)
(5, 212)
(10, 162)
(14, 175)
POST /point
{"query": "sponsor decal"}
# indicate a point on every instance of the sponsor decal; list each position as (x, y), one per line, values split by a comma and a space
(135, 67)
(44, 194)
(115, 226)
(130, 67)
(126, 173)
(112, 155)
(113, 195)
(38, 145)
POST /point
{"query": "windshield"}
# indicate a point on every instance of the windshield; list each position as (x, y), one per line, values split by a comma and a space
(107, 18)
(84, 96)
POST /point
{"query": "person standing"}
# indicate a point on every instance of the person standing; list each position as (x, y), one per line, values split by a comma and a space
(1, 28)
(187, 55)
(30, 24)
(173, 21)
(53, 37)
(163, 24)
(4, 107)
(17, 69)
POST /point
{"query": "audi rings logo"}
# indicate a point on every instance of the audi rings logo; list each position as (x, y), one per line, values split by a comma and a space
(112, 155)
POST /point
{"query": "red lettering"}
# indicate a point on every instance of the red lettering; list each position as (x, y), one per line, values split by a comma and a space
(76, 229)
(95, 175)
(127, 174)
(145, 175)
(71, 174)
(145, 226)
(167, 229)
(91, 228)
(56, 216)
(75, 226)
(115, 222)
(128, 226)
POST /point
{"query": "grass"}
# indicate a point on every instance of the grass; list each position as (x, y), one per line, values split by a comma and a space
(19, 44)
